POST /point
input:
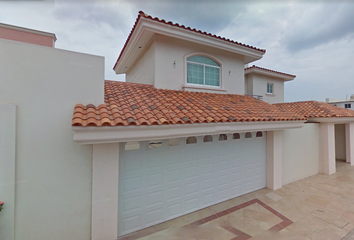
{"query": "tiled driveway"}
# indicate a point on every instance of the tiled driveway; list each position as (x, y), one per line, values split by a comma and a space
(319, 207)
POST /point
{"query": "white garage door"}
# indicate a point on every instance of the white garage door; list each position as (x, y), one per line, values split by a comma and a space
(159, 182)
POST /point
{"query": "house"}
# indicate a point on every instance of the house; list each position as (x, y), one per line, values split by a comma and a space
(349, 104)
(185, 131)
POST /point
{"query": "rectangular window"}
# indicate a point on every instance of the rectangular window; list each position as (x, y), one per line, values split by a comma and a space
(270, 88)
(348, 105)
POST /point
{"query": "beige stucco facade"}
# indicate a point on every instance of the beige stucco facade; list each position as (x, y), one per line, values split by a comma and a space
(52, 179)
(163, 64)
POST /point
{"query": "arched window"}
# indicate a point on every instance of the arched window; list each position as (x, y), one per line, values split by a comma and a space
(222, 137)
(248, 135)
(191, 140)
(208, 138)
(259, 134)
(236, 136)
(203, 71)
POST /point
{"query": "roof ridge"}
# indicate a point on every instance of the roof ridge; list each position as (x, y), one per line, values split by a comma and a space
(270, 70)
(144, 15)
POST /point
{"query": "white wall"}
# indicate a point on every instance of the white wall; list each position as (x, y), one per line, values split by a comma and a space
(342, 104)
(339, 134)
(170, 50)
(143, 70)
(257, 85)
(301, 149)
(53, 194)
(7, 170)
(165, 62)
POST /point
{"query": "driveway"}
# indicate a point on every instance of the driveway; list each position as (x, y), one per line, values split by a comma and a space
(318, 207)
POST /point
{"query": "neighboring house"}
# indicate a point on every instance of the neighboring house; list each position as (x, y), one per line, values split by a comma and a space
(349, 104)
(179, 135)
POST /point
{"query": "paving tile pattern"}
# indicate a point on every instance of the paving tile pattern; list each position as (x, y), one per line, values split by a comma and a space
(141, 104)
(314, 109)
(269, 70)
(171, 24)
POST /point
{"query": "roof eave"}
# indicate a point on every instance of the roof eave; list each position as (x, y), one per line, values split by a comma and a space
(331, 120)
(97, 135)
(146, 28)
(283, 76)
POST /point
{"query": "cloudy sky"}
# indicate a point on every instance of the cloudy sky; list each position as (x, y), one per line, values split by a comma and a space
(313, 39)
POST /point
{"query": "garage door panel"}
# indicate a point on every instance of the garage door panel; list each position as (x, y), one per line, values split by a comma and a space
(155, 161)
(130, 223)
(191, 204)
(131, 164)
(154, 198)
(207, 198)
(173, 159)
(173, 210)
(161, 184)
(154, 216)
(154, 180)
(131, 185)
(131, 205)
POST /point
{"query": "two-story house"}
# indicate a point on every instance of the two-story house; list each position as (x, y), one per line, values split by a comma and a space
(187, 130)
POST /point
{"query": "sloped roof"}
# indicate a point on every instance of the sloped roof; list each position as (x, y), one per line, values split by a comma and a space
(146, 16)
(141, 104)
(269, 70)
(314, 109)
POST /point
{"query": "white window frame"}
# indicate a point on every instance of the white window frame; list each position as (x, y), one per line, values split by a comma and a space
(203, 85)
(270, 84)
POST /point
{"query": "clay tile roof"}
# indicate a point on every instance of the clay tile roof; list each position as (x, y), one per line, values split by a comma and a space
(131, 104)
(144, 15)
(314, 109)
(269, 70)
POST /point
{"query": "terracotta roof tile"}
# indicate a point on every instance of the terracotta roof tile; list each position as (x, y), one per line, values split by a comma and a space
(143, 15)
(314, 109)
(269, 70)
(179, 108)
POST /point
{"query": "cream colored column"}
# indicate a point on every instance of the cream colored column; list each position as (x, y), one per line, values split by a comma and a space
(327, 149)
(274, 159)
(105, 170)
(349, 142)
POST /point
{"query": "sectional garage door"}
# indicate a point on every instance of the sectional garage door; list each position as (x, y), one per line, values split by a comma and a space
(159, 182)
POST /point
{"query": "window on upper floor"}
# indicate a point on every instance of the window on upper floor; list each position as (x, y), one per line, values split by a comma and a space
(202, 70)
(348, 105)
(270, 88)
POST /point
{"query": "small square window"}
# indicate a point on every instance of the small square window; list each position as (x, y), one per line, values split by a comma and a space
(191, 140)
(348, 105)
(236, 136)
(173, 142)
(208, 138)
(222, 137)
(155, 144)
(270, 87)
(131, 146)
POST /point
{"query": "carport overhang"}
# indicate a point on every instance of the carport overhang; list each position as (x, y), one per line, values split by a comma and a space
(327, 141)
(99, 135)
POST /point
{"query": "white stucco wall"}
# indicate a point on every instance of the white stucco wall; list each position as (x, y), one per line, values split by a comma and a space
(168, 55)
(143, 70)
(257, 85)
(53, 194)
(7, 170)
(301, 148)
(339, 134)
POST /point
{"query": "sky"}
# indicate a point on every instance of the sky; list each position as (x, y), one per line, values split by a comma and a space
(312, 39)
